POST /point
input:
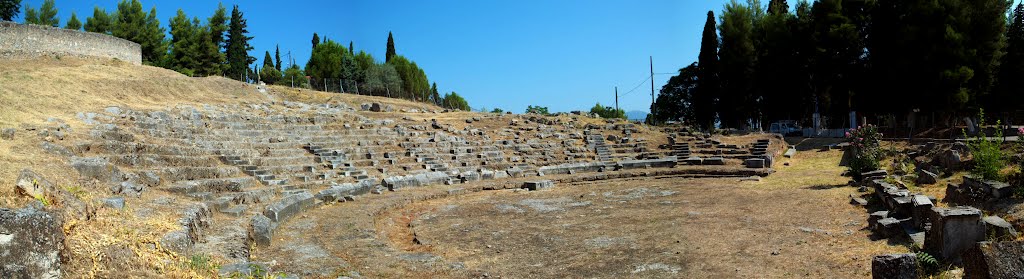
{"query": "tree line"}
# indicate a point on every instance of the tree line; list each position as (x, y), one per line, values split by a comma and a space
(219, 46)
(876, 57)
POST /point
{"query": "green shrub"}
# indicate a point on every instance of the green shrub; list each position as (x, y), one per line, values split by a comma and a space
(989, 159)
(865, 143)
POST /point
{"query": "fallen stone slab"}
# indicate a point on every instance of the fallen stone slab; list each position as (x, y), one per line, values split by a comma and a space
(571, 168)
(289, 206)
(417, 180)
(790, 152)
(195, 221)
(7, 134)
(854, 200)
(339, 191)
(714, 161)
(667, 162)
(754, 163)
(245, 270)
(888, 227)
(539, 185)
(31, 243)
(926, 177)
(96, 168)
(953, 231)
(693, 160)
(894, 266)
(994, 260)
(114, 202)
(261, 230)
(998, 229)
(875, 216)
(34, 185)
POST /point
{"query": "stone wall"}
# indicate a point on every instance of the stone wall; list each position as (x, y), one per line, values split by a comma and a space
(19, 40)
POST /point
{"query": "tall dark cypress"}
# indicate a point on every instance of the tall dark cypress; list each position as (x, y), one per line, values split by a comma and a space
(351, 48)
(277, 57)
(316, 39)
(238, 46)
(391, 48)
(708, 85)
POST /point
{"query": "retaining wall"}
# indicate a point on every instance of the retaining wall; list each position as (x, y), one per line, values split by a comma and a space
(20, 40)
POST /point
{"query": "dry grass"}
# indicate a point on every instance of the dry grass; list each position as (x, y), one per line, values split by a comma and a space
(810, 168)
(121, 244)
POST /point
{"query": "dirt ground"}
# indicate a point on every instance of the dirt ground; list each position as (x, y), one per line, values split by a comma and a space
(795, 223)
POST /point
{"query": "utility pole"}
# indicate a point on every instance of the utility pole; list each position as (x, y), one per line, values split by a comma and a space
(654, 111)
(341, 86)
(616, 98)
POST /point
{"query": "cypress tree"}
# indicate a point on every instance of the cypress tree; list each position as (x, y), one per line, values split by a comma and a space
(277, 58)
(268, 61)
(708, 84)
(351, 49)
(391, 48)
(316, 40)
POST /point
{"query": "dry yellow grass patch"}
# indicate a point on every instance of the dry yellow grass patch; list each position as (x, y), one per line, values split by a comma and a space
(117, 243)
(810, 168)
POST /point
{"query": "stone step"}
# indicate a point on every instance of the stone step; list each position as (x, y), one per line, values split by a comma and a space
(215, 185)
(289, 206)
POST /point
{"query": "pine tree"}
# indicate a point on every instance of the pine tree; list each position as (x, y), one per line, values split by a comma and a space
(154, 38)
(775, 68)
(776, 7)
(277, 58)
(99, 22)
(1011, 73)
(708, 83)
(73, 22)
(391, 49)
(216, 59)
(183, 38)
(218, 25)
(238, 47)
(737, 56)
(31, 15)
(9, 9)
(987, 43)
(46, 15)
(134, 24)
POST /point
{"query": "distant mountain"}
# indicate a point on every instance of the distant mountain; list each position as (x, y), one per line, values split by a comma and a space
(636, 115)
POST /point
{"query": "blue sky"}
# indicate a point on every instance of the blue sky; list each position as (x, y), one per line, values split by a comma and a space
(563, 54)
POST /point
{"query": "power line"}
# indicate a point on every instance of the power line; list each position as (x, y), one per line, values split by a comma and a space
(635, 87)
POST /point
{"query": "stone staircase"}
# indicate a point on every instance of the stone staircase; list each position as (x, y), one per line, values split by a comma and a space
(596, 142)
(244, 161)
